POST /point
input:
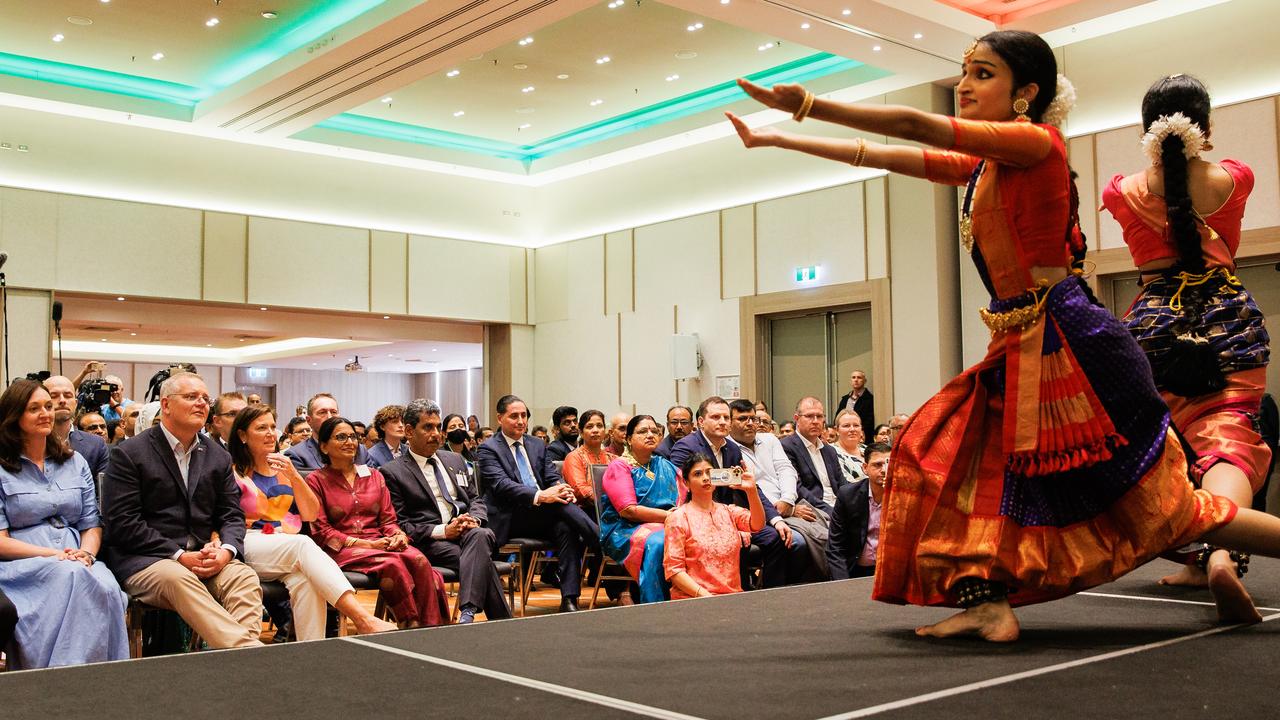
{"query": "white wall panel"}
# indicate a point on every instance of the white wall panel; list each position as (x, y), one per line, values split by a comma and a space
(465, 280)
(29, 233)
(226, 242)
(1081, 157)
(109, 246)
(29, 332)
(646, 359)
(1247, 132)
(584, 278)
(876, 209)
(1119, 152)
(298, 264)
(678, 261)
(551, 291)
(619, 272)
(577, 364)
(822, 228)
(738, 251)
(388, 272)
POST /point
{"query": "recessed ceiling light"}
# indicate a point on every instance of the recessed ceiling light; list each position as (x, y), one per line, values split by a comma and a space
(104, 2)
(694, 27)
(59, 37)
(453, 73)
(521, 66)
(133, 334)
(387, 99)
(767, 46)
(525, 126)
(241, 339)
(846, 12)
(262, 308)
(526, 41)
(528, 89)
(918, 36)
(102, 339)
(158, 56)
(672, 77)
(616, 4)
(603, 59)
(526, 110)
(315, 363)
(433, 349)
(876, 48)
(79, 20)
(386, 317)
(459, 113)
(208, 344)
(596, 102)
(120, 298)
(724, 2)
(270, 14)
(211, 22)
(804, 26)
(562, 76)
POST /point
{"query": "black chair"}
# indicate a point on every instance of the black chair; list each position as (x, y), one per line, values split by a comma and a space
(530, 554)
(597, 484)
(363, 581)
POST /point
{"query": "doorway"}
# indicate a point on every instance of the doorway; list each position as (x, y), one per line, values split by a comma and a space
(814, 354)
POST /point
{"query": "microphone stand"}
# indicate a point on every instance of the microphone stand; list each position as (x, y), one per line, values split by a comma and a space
(4, 299)
(57, 328)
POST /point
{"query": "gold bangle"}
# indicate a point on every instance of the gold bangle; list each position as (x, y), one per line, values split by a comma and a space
(860, 155)
(805, 106)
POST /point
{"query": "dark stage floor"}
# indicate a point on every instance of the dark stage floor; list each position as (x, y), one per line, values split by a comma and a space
(1131, 649)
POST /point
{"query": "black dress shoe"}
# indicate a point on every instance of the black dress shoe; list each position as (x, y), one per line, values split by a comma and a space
(569, 604)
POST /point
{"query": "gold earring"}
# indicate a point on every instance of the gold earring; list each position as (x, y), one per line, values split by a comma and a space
(1021, 106)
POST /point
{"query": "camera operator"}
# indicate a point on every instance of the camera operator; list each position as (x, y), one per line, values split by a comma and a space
(92, 447)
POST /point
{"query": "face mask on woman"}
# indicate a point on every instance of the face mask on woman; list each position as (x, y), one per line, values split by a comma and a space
(458, 436)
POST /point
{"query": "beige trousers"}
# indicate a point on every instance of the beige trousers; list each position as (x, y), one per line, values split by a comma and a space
(226, 609)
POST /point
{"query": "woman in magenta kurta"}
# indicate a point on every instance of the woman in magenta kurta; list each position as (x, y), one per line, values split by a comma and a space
(357, 527)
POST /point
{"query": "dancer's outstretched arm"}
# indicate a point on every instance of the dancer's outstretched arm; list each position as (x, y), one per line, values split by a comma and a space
(894, 158)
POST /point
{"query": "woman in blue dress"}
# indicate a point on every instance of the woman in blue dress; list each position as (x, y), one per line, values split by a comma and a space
(70, 608)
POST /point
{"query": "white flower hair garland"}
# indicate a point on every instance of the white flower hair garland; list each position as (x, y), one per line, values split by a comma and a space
(1175, 124)
(1064, 98)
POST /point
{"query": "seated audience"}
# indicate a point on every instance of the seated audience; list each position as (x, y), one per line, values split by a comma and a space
(129, 419)
(389, 422)
(357, 526)
(223, 413)
(65, 404)
(458, 440)
(442, 516)
(276, 501)
(577, 466)
(786, 428)
(297, 431)
(711, 439)
(70, 609)
(895, 426)
(640, 491)
(761, 406)
(473, 425)
(111, 409)
(526, 497)
(617, 440)
(705, 538)
(816, 462)
(882, 434)
(174, 528)
(680, 424)
(565, 419)
(115, 432)
(540, 432)
(855, 523)
(148, 417)
(255, 399)
(483, 435)
(306, 455)
(764, 422)
(849, 446)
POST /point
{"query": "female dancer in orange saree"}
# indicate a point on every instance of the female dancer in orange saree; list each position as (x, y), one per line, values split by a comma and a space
(1049, 467)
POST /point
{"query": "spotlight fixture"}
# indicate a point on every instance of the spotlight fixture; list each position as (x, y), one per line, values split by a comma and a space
(119, 298)
(211, 22)
(596, 102)
(562, 76)
(804, 26)
(262, 308)
(527, 90)
(876, 48)
(58, 37)
(525, 126)
(616, 4)
(158, 56)
(386, 317)
(767, 46)
(694, 27)
(459, 113)
(270, 14)
(724, 2)
(672, 77)
(453, 73)
(387, 99)
(918, 36)
(846, 12)
(133, 334)
(603, 59)
(526, 41)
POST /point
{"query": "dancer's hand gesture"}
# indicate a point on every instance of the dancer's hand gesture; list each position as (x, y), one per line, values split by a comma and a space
(787, 97)
(754, 137)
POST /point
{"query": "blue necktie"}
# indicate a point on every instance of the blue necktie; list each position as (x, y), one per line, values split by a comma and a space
(522, 464)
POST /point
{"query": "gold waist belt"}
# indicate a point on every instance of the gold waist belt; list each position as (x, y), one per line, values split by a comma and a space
(1017, 318)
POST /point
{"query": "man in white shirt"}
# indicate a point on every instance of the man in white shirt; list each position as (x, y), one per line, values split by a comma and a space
(816, 462)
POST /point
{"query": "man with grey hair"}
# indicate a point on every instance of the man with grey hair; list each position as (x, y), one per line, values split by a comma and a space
(174, 527)
(441, 515)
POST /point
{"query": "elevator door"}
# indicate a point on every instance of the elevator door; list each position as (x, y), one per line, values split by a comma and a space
(814, 355)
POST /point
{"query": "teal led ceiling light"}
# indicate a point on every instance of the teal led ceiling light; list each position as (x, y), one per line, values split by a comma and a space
(801, 70)
(103, 80)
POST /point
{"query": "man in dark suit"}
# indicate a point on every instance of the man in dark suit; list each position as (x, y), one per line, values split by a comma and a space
(92, 447)
(565, 418)
(306, 455)
(679, 426)
(174, 527)
(527, 498)
(855, 522)
(389, 422)
(816, 462)
(860, 400)
(441, 516)
(776, 540)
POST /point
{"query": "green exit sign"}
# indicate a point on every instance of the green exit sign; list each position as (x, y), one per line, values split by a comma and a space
(807, 274)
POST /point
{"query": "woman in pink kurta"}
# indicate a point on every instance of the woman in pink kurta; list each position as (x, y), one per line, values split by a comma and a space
(357, 527)
(704, 537)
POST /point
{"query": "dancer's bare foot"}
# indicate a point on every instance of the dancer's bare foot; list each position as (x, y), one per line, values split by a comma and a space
(1229, 594)
(371, 624)
(993, 622)
(1188, 576)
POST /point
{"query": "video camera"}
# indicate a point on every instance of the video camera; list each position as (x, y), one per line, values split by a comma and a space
(95, 392)
(153, 387)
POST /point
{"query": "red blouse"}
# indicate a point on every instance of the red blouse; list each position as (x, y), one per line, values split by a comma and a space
(1142, 216)
(1022, 200)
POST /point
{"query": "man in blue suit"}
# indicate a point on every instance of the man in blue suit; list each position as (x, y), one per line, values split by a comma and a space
(306, 455)
(855, 522)
(816, 462)
(92, 447)
(712, 439)
(679, 426)
(527, 498)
